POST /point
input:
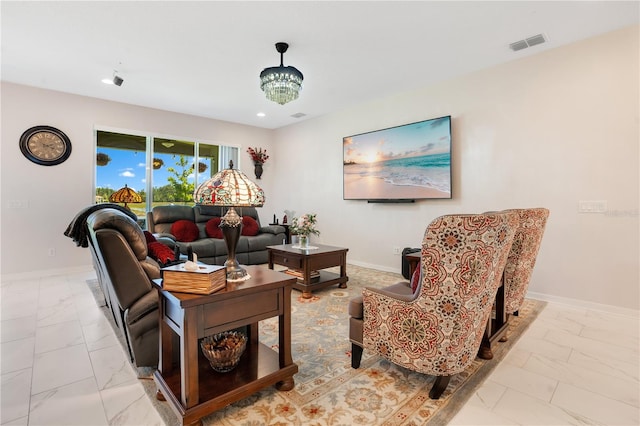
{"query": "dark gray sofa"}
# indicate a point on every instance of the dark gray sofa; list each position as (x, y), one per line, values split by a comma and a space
(251, 250)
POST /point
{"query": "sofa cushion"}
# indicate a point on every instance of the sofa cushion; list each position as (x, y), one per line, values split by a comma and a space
(161, 253)
(160, 218)
(149, 237)
(205, 247)
(185, 230)
(250, 226)
(212, 228)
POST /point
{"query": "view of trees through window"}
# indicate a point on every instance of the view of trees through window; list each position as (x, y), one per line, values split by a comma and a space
(161, 171)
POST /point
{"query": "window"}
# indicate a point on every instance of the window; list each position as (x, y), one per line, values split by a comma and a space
(163, 171)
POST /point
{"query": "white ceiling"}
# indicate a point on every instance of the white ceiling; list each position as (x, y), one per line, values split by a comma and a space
(203, 58)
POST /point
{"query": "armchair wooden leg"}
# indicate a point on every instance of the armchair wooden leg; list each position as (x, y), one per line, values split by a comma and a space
(484, 351)
(439, 386)
(356, 355)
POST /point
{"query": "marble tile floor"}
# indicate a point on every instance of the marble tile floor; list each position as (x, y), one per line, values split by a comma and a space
(62, 365)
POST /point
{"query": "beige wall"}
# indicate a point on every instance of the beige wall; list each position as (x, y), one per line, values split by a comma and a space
(548, 130)
(55, 194)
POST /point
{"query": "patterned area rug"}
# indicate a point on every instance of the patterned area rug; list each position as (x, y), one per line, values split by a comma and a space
(329, 392)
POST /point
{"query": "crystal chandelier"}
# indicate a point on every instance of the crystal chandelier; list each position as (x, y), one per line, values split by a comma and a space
(281, 84)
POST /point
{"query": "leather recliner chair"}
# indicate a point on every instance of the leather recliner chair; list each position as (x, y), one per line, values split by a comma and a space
(120, 250)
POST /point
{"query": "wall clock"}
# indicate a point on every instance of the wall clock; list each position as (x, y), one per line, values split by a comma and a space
(45, 145)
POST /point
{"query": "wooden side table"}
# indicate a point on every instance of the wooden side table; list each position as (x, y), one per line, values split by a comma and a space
(189, 384)
(307, 260)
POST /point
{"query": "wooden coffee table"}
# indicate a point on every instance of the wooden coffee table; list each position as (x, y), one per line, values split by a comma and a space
(307, 260)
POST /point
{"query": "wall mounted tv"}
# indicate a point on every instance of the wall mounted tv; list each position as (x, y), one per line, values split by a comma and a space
(399, 164)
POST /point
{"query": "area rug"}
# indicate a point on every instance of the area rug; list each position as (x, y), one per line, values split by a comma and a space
(329, 392)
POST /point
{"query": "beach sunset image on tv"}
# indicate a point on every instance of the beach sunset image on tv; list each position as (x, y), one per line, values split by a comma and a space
(407, 162)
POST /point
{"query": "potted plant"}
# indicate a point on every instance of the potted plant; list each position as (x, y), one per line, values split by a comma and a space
(259, 157)
(304, 226)
(157, 163)
(102, 159)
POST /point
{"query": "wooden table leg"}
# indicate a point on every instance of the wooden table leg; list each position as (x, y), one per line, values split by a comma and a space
(284, 340)
(343, 270)
(190, 392)
(165, 337)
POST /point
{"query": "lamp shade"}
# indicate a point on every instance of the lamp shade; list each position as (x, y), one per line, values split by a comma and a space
(229, 188)
(125, 195)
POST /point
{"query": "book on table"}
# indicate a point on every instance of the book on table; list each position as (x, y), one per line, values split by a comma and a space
(314, 276)
(206, 279)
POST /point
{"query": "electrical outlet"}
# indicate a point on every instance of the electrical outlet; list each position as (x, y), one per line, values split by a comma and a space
(396, 250)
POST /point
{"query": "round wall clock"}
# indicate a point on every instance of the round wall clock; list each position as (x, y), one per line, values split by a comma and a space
(45, 145)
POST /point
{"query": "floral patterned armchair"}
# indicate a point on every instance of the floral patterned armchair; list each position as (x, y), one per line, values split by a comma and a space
(522, 257)
(438, 329)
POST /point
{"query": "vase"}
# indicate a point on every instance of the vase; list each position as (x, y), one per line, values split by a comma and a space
(258, 170)
(303, 241)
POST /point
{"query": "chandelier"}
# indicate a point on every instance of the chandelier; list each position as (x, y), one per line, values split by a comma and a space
(281, 84)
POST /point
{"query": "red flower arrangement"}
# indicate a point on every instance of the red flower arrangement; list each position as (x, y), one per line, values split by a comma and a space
(258, 155)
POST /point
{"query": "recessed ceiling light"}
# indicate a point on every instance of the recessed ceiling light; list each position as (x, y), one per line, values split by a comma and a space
(261, 114)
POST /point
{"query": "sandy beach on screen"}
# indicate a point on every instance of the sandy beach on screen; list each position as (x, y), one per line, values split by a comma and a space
(371, 188)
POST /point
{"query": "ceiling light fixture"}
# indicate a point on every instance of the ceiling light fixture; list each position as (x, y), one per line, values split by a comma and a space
(281, 84)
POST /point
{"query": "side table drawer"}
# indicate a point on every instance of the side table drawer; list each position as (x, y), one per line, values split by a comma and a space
(247, 310)
(287, 260)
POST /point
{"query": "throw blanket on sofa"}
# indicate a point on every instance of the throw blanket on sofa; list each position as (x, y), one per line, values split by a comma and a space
(77, 229)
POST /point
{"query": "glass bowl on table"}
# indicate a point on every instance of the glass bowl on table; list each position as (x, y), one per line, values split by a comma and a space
(223, 350)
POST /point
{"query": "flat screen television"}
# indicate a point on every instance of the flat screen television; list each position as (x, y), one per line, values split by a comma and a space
(399, 164)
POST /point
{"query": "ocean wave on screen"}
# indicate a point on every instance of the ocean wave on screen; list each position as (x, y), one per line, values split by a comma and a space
(429, 171)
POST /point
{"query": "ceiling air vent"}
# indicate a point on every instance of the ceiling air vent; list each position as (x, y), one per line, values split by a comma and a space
(531, 41)
(298, 115)
(518, 45)
(536, 39)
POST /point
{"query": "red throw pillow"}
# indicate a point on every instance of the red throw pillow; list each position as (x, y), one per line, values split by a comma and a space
(415, 279)
(212, 228)
(149, 237)
(249, 226)
(185, 230)
(160, 252)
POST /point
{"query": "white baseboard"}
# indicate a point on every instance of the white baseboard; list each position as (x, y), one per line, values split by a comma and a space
(577, 303)
(584, 304)
(376, 267)
(45, 273)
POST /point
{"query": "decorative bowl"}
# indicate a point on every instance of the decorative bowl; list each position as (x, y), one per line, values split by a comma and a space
(223, 350)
